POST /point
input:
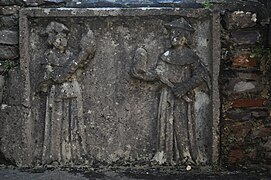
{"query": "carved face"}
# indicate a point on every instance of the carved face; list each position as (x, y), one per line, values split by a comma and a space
(178, 37)
(58, 40)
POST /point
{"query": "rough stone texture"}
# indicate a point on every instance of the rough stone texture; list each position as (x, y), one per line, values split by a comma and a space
(269, 35)
(245, 37)
(118, 119)
(246, 114)
(2, 83)
(11, 2)
(236, 85)
(245, 109)
(239, 20)
(9, 37)
(8, 52)
(9, 22)
(9, 10)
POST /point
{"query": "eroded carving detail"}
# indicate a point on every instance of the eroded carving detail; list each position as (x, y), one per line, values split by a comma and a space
(64, 134)
(181, 71)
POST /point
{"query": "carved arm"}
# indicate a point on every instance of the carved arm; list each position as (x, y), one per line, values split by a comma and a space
(88, 49)
(199, 75)
(139, 68)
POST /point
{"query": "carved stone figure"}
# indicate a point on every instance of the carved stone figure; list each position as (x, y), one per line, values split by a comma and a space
(180, 71)
(64, 134)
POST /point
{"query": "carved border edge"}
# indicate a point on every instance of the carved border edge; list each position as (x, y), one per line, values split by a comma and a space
(216, 104)
(27, 13)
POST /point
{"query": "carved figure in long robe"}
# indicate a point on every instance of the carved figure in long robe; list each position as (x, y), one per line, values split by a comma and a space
(180, 70)
(64, 134)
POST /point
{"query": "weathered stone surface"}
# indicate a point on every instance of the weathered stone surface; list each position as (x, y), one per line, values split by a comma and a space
(262, 131)
(248, 103)
(11, 2)
(2, 83)
(246, 114)
(9, 37)
(239, 20)
(79, 91)
(244, 86)
(240, 130)
(248, 76)
(14, 84)
(235, 85)
(8, 52)
(245, 37)
(9, 10)
(269, 35)
(9, 22)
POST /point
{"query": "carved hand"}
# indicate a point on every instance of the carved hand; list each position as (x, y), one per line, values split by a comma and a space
(180, 90)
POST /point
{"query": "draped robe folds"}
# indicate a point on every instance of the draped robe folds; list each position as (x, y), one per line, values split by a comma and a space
(64, 134)
(64, 127)
(175, 119)
(180, 71)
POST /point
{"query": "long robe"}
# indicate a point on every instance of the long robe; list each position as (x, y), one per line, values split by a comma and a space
(176, 119)
(64, 127)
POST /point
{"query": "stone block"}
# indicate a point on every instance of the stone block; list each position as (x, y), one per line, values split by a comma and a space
(9, 37)
(239, 20)
(267, 145)
(240, 130)
(9, 22)
(240, 103)
(248, 76)
(9, 10)
(245, 37)
(246, 114)
(236, 85)
(244, 86)
(243, 61)
(8, 52)
(261, 132)
(11, 2)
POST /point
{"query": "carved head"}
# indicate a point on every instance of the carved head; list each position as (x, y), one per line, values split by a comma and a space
(57, 35)
(180, 31)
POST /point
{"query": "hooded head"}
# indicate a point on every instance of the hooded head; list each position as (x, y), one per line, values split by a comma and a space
(57, 35)
(180, 30)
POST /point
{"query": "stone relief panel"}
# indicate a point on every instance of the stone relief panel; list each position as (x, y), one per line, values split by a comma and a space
(180, 70)
(114, 86)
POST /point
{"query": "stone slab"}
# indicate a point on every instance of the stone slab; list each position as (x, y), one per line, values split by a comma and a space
(98, 108)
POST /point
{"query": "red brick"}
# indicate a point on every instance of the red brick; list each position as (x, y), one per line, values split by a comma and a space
(243, 61)
(236, 155)
(239, 103)
(241, 129)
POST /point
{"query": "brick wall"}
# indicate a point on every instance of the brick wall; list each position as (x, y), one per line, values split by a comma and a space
(245, 89)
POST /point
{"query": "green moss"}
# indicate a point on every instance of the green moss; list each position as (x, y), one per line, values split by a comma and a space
(208, 4)
(260, 51)
(7, 65)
